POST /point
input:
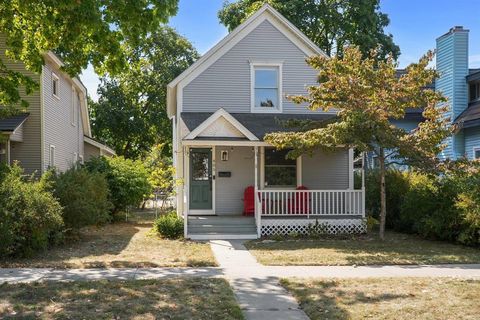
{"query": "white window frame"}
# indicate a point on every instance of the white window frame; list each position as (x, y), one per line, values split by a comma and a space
(51, 156)
(72, 107)
(55, 86)
(266, 64)
(475, 149)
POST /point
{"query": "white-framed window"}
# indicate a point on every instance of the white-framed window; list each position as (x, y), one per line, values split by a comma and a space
(476, 153)
(73, 109)
(280, 171)
(55, 86)
(51, 159)
(266, 87)
(474, 90)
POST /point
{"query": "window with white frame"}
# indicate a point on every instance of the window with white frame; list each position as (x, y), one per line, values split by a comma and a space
(476, 153)
(73, 109)
(52, 156)
(266, 87)
(55, 86)
(280, 171)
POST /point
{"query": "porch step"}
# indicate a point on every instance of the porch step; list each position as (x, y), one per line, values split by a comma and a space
(221, 227)
(221, 220)
(227, 229)
(221, 236)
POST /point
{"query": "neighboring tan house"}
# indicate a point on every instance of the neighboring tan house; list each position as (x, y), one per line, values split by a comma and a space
(55, 131)
(222, 107)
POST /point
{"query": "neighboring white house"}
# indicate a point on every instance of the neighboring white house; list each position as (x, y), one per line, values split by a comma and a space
(55, 131)
(222, 107)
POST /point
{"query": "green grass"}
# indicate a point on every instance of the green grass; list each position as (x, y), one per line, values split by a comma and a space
(121, 245)
(361, 250)
(387, 298)
(181, 298)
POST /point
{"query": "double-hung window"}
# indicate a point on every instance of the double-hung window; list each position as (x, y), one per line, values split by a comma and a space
(55, 84)
(280, 171)
(266, 87)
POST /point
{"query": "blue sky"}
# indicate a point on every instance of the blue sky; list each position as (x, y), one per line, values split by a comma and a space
(415, 24)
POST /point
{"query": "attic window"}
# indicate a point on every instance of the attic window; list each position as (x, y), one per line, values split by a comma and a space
(55, 86)
(266, 87)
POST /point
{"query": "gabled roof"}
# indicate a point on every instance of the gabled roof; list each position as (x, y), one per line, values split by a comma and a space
(266, 12)
(10, 124)
(470, 117)
(258, 124)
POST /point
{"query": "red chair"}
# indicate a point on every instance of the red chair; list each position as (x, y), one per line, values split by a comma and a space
(249, 201)
(301, 203)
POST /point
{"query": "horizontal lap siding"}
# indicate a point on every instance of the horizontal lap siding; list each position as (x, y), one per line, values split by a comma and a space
(226, 83)
(472, 140)
(59, 131)
(28, 152)
(325, 170)
(229, 191)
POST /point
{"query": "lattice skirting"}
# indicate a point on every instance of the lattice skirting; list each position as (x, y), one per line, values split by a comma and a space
(300, 226)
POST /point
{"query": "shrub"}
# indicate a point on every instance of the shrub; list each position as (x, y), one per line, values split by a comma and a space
(397, 184)
(83, 196)
(30, 217)
(127, 180)
(169, 226)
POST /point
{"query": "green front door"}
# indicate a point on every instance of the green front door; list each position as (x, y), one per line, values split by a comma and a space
(200, 179)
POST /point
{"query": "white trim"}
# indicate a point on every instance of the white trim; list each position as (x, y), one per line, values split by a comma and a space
(267, 64)
(474, 150)
(55, 86)
(203, 212)
(232, 143)
(72, 107)
(262, 167)
(227, 116)
(213, 179)
(299, 171)
(265, 13)
(51, 156)
(350, 169)
(222, 236)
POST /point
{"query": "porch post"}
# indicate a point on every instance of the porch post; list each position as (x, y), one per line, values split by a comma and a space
(8, 151)
(363, 184)
(257, 214)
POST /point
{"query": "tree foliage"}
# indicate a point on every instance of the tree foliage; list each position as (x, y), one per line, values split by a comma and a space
(331, 24)
(131, 111)
(367, 94)
(80, 32)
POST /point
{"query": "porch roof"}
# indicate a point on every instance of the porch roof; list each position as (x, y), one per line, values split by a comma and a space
(257, 123)
(10, 124)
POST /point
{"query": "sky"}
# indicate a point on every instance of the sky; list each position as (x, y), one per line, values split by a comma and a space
(414, 24)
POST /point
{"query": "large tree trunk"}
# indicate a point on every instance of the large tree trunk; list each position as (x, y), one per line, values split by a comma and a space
(383, 197)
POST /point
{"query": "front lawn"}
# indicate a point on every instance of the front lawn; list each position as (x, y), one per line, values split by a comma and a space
(387, 298)
(181, 298)
(361, 250)
(121, 244)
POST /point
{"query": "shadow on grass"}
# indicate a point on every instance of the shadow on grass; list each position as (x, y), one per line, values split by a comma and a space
(366, 250)
(185, 298)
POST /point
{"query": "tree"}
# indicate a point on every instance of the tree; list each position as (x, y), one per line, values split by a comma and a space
(131, 111)
(80, 32)
(161, 173)
(367, 95)
(330, 24)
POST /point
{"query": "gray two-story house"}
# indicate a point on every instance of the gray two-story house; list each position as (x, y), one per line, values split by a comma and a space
(234, 184)
(55, 129)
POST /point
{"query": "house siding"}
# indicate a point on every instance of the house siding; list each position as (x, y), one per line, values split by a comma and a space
(229, 191)
(326, 170)
(58, 128)
(452, 64)
(472, 140)
(226, 83)
(28, 152)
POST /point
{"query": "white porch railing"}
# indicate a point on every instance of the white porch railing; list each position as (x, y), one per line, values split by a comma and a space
(309, 203)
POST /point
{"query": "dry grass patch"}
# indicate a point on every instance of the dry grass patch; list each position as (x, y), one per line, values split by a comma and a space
(181, 298)
(119, 245)
(361, 250)
(388, 298)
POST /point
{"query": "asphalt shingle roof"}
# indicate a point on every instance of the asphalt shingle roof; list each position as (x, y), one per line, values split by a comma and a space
(11, 123)
(470, 117)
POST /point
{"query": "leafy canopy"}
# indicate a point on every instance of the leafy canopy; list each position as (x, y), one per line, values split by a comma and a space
(80, 32)
(330, 24)
(367, 94)
(131, 112)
